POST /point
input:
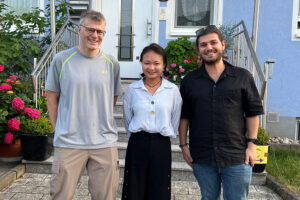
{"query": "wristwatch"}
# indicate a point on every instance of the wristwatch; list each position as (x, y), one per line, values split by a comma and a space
(254, 141)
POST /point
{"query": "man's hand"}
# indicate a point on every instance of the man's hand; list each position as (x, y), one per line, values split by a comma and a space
(187, 155)
(250, 154)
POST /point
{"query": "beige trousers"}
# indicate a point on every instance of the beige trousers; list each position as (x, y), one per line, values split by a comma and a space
(102, 168)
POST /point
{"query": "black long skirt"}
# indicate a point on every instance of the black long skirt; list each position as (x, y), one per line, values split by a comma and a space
(147, 174)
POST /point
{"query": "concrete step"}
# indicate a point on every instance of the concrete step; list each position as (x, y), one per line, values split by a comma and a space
(118, 109)
(180, 170)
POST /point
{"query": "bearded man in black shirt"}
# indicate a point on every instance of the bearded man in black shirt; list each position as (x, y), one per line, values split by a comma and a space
(221, 106)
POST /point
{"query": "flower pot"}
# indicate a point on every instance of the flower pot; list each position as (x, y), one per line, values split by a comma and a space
(261, 158)
(36, 147)
(11, 152)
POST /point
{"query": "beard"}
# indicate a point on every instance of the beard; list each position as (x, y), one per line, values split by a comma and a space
(212, 61)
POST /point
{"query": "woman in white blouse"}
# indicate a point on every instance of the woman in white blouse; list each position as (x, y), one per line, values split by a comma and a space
(152, 108)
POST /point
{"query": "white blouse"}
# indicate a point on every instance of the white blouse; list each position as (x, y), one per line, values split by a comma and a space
(159, 113)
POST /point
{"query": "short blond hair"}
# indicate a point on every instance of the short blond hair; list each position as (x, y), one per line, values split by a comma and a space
(92, 15)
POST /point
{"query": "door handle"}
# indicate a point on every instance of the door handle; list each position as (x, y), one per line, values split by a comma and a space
(148, 29)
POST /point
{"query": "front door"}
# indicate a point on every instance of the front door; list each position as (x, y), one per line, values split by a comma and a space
(129, 25)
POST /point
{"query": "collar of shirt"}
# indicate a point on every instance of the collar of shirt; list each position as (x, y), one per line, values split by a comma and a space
(228, 71)
(164, 85)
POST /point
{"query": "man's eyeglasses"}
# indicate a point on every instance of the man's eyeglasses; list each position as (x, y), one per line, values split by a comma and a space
(202, 31)
(91, 31)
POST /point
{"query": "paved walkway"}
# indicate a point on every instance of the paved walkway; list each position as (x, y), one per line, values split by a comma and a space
(36, 187)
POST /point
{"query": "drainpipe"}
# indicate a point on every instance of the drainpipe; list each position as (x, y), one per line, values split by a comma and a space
(52, 19)
(255, 27)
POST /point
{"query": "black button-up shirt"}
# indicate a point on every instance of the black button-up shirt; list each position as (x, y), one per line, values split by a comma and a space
(217, 114)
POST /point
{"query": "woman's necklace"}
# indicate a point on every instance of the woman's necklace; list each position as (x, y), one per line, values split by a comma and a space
(152, 86)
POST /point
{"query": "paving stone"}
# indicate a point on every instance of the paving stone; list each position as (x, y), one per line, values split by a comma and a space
(41, 190)
(81, 192)
(187, 197)
(6, 195)
(24, 196)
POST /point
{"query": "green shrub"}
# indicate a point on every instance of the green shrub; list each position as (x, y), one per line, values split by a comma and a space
(262, 136)
(39, 126)
(180, 50)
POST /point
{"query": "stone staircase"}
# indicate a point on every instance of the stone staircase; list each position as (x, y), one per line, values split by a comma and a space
(181, 173)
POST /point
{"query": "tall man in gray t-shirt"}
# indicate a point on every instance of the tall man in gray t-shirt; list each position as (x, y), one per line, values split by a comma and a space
(83, 86)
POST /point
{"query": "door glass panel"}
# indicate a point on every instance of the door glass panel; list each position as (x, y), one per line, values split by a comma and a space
(191, 13)
(125, 38)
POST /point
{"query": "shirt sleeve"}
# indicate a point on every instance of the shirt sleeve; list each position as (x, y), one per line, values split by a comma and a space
(186, 106)
(52, 83)
(127, 108)
(117, 79)
(175, 115)
(253, 102)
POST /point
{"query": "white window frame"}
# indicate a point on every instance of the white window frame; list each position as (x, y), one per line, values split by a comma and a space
(174, 32)
(296, 19)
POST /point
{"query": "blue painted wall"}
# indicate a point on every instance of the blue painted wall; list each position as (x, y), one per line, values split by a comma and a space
(274, 41)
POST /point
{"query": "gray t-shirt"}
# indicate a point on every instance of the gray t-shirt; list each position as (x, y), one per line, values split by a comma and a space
(87, 87)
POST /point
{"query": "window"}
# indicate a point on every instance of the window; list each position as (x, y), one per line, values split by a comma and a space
(184, 17)
(126, 31)
(24, 6)
(191, 13)
(296, 21)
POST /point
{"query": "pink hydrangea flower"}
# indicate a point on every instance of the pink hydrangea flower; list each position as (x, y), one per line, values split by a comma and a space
(1, 68)
(32, 113)
(8, 138)
(185, 61)
(13, 77)
(5, 86)
(173, 65)
(14, 124)
(167, 69)
(8, 80)
(45, 94)
(17, 103)
(181, 70)
(166, 77)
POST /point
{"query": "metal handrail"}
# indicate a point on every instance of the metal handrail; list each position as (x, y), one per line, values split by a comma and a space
(65, 38)
(253, 55)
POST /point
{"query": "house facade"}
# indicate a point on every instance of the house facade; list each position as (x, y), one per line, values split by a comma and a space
(133, 24)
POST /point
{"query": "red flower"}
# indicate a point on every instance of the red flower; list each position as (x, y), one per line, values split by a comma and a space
(13, 77)
(8, 138)
(45, 94)
(197, 57)
(5, 86)
(17, 103)
(32, 113)
(14, 124)
(8, 80)
(1, 68)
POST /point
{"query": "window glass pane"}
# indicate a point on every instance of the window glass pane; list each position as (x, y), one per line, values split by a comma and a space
(126, 30)
(193, 13)
(22, 6)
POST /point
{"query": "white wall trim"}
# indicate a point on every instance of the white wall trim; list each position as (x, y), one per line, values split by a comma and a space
(172, 32)
(155, 21)
(296, 18)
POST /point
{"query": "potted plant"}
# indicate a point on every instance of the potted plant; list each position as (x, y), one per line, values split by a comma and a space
(35, 139)
(14, 98)
(262, 149)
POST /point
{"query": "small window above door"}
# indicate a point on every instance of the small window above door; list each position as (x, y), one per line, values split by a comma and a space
(184, 17)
